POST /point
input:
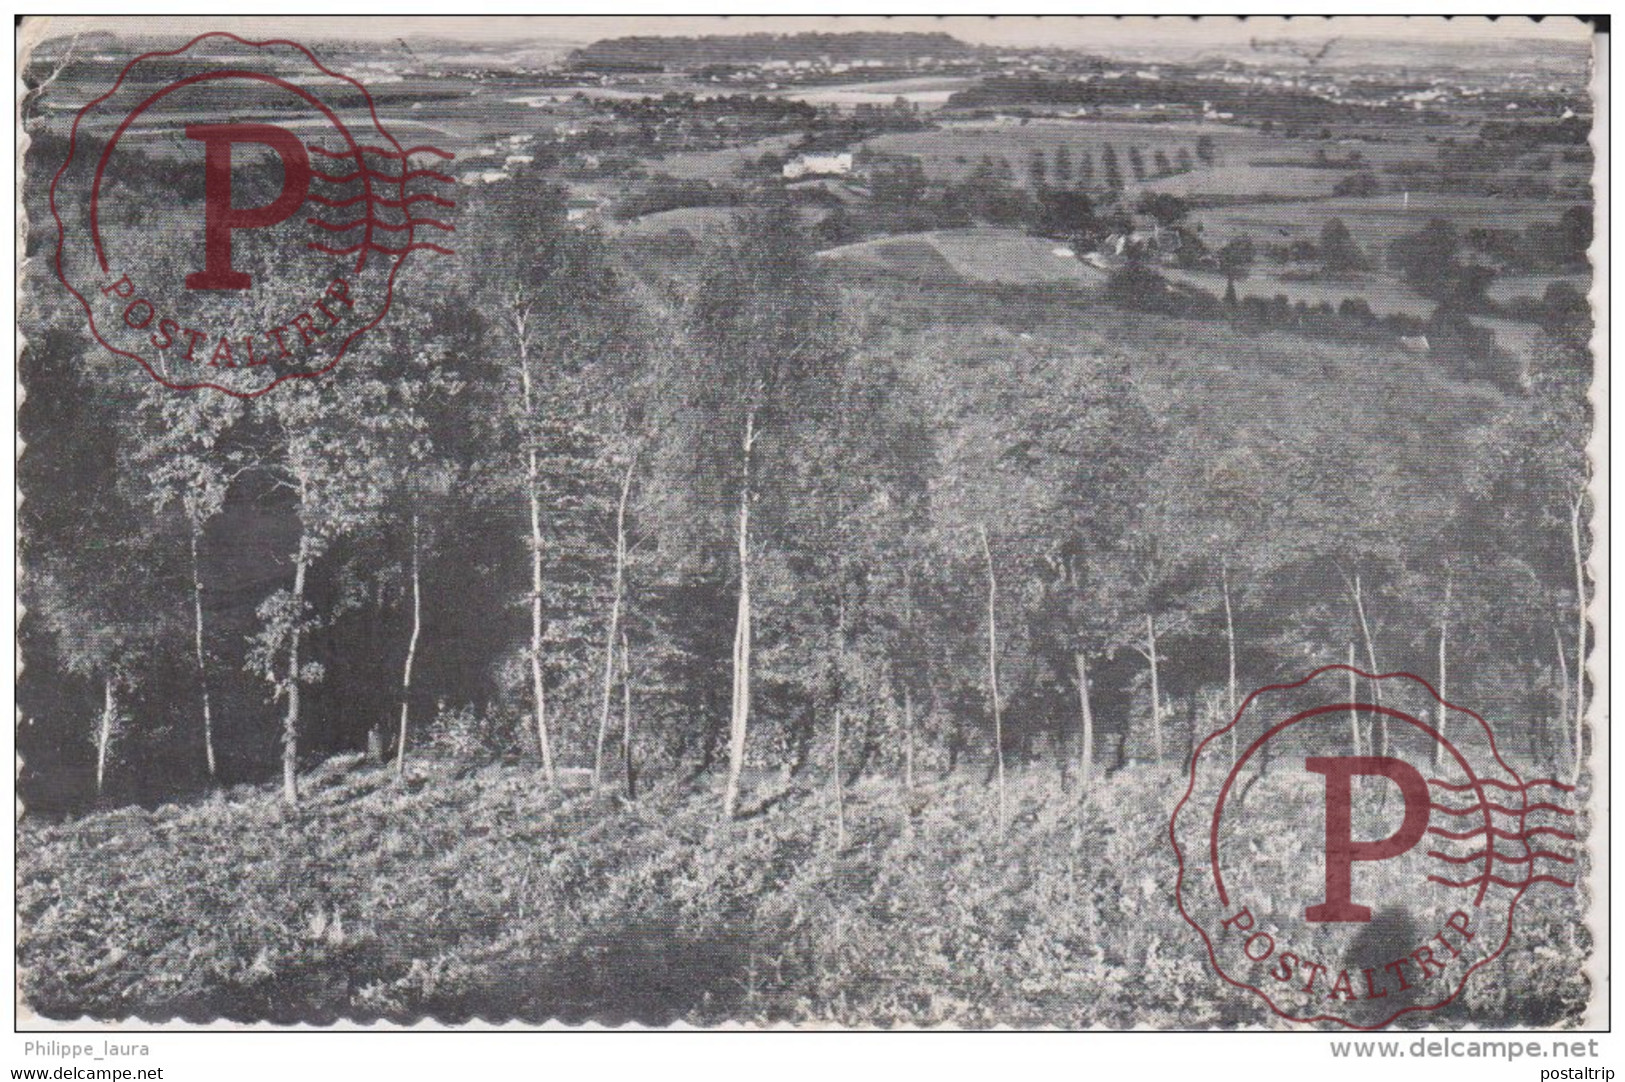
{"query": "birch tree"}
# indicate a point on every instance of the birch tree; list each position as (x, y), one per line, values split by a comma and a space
(334, 445)
(186, 455)
(765, 354)
(558, 316)
(97, 569)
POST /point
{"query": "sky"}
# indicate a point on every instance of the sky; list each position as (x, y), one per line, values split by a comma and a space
(1100, 34)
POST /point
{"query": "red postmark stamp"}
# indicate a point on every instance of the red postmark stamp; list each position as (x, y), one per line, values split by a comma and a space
(232, 214)
(1353, 862)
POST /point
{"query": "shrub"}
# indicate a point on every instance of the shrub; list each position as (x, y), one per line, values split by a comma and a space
(469, 734)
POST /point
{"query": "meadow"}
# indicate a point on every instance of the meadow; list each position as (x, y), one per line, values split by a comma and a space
(976, 256)
(1375, 221)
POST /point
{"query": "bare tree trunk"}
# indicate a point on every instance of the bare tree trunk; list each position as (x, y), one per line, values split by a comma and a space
(908, 692)
(1444, 675)
(1371, 658)
(739, 719)
(538, 681)
(290, 721)
(993, 671)
(844, 647)
(197, 645)
(1086, 735)
(1156, 687)
(1580, 640)
(626, 720)
(908, 737)
(1563, 699)
(614, 625)
(411, 653)
(1230, 641)
(836, 783)
(1354, 715)
(104, 735)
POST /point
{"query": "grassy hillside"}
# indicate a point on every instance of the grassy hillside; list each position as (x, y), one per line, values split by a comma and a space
(476, 892)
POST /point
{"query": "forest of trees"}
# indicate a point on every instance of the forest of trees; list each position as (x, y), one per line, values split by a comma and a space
(711, 525)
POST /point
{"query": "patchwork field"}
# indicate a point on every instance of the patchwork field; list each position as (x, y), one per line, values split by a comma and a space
(1374, 221)
(983, 256)
(1247, 181)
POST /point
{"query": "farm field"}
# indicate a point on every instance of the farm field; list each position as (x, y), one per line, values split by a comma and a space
(1242, 154)
(1245, 181)
(953, 150)
(1507, 287)
(459, 117)
(1375, 221)
(929, 92)
(1387, 296)
(983, 256)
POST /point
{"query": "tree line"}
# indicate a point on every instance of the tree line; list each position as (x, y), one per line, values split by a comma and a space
(723, 520)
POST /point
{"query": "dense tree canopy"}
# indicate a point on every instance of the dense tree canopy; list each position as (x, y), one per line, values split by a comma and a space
(726, 517)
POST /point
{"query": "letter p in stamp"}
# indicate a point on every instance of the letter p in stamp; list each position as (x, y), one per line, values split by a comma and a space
(299, 257)
(1354, 862)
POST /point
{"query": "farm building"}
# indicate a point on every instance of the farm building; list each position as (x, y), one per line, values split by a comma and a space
(583, 208)
(825, 165)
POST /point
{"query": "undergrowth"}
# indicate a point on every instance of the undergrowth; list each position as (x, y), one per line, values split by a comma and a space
(480, 893)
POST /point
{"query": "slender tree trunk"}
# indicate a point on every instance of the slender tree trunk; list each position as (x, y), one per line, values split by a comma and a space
(844, 638)
(104, 735)
(908, 692)
(1580, 638)
(614, 625)
(739, 718)
(1371, 658)
(1156, 687)
(993, 671)
(1230, 642)
(1444, 674)
(908, 738)
(626, 720)
(1354, 715)
(197, 646)
(836, 783)
(1563, 700)
(290, 721)
(1086, 733)
(411, 654)
(538, 681)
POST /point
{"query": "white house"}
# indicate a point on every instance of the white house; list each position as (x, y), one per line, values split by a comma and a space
(583, 208)
(822, 165)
